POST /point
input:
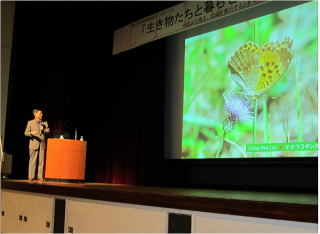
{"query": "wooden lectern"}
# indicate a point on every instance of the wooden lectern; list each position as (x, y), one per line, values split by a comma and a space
(65, 160)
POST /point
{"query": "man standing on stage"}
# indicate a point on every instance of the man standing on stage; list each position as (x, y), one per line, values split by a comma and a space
(38, 132)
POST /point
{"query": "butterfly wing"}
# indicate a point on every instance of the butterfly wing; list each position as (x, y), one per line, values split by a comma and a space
(244, 67)
(274, 61)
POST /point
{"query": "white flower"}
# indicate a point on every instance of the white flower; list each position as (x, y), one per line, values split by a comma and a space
(238, 110)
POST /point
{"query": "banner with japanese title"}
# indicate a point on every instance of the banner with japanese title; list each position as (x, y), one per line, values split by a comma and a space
(173, 20)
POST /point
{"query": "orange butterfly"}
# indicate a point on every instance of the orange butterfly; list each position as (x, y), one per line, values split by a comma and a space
(256, 69)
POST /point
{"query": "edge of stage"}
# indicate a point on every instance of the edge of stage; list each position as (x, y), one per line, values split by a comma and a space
(273, 205)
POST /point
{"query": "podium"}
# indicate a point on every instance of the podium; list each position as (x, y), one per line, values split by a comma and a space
(65, 160)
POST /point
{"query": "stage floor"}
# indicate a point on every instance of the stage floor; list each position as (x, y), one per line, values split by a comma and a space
(274, 205)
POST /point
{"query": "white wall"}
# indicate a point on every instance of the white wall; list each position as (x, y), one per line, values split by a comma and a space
(95, 217)
(86, 215)
(219, 223)
(37, 209)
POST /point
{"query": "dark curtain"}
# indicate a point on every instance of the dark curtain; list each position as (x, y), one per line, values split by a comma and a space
(62, 64)
(127, 147)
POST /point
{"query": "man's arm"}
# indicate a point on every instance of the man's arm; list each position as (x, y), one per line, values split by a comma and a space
(46, 129)
(28, 131)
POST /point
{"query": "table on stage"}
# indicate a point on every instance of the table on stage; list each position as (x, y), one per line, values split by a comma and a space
(65, 160)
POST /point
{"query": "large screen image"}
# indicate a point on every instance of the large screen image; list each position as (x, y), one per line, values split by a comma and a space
(251, 89)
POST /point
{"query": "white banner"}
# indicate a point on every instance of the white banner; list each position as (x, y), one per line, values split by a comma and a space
(173, 20)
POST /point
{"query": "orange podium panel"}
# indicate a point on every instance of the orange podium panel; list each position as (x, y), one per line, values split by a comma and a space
(65, 160)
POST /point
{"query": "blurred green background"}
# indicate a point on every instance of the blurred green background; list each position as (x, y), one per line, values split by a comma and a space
(288, 112)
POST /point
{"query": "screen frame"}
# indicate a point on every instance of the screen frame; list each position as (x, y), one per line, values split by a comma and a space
(306, 167)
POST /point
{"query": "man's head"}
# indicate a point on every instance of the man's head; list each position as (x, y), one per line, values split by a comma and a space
(37, 114)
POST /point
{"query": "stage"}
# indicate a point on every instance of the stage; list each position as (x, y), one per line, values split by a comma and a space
(272, 205)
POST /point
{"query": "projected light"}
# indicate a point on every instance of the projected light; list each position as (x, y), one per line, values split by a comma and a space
(251, 89)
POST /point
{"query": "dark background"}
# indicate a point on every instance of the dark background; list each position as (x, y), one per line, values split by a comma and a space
(62, 63)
